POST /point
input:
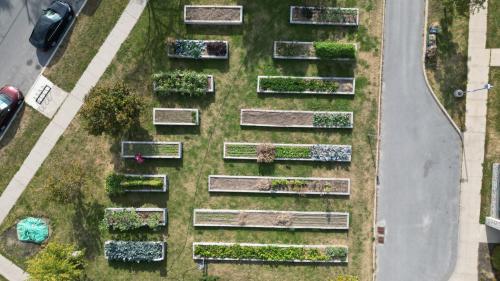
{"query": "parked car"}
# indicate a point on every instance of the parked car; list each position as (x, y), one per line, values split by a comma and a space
(11, 100)
(51, 24)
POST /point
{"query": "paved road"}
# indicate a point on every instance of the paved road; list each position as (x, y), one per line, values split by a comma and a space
(20, 62)
(420, 160)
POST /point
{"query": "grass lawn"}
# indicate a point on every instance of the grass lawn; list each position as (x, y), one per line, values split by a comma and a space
(492, 152)
(3, 278)
(250, 55)
(18, 142)
(449, 72)
(89, 32)
(493, 40)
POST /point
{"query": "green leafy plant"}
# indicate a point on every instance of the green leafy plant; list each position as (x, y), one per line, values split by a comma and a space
(188, 83)
(331, 120)
(291, 152)
(336, 252)
(133, 251)
(56, 261)
(110, 110)
(241, 150)
(130, 219)
(117, 184)
(334, 50)
(189, 48)
(286, 84)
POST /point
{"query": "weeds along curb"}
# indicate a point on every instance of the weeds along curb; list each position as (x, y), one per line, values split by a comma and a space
(441, 107)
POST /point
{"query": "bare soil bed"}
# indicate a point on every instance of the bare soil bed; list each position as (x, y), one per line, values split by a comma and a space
(277, 118)
(265, 184)
(213, 13)
(164, 115)
(272, 219)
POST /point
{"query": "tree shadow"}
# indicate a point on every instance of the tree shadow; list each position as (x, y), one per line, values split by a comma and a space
(85, 226)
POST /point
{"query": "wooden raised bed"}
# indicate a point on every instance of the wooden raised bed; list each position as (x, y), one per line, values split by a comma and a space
(296, 119)
(296, 50)
(176, 116)
(213, 14)
(152, 149)
(205, 49)
(307, 85)
(271, 219)
(143, 213)
(279, 185)
(290, 152)
(324, 15)
(218, 251)
(127, 249)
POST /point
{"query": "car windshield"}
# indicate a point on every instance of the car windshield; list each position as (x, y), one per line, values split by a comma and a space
(52, 15)
(5, 101)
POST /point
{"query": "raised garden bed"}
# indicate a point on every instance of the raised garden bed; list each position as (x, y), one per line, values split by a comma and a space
(267, 153)
(117, 183)
(271, 219)
(213, 14)
(279, 185)
(198, 49)
(296, 119)
(323, 50)
(250, 252)
(151, 149)
(176, 116)
(306, 85)
(134, 251)
(125, 219)
(324, 15)
(185, 82)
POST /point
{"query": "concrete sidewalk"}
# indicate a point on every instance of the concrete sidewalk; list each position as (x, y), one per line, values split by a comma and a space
(470, 233)
(63, 118)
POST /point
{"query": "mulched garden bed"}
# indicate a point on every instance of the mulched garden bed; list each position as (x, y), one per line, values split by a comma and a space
(213, 14)
(285, 185)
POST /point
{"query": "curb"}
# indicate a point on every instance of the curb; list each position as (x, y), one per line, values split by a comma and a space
(441, 107)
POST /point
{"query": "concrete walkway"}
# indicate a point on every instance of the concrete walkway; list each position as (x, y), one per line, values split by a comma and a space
(470, 231)
(63, 118)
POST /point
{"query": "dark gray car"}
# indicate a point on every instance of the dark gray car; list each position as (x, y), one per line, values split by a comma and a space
(51, 24)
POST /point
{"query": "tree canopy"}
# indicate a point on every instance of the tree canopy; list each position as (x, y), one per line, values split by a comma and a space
(57, 262)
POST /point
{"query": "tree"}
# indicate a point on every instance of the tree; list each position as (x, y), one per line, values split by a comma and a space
(110, 110)
(57, 262)
(67, 185)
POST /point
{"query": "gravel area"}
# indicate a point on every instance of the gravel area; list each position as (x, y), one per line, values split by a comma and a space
(277, 118)
(213, 14)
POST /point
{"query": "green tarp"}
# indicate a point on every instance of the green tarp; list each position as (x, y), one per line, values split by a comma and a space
(32, 230)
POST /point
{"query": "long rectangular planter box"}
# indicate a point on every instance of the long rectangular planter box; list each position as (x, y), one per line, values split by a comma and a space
(205, 54)
(292, 118)
(160, 258)
(164, 178)
(351, 17)
(217, 14)
(210, 86)
(279, 185)
(163, 221)
(309, 51)
(256, 245)
(176, 116)
(171, 150)
(335, 153)
(271, 219)
(346, 85)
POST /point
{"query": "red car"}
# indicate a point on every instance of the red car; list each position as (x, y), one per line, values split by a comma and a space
(11, 100)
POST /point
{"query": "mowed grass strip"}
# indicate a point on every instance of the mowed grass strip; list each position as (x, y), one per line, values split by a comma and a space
(492, 38)
(90, 30)
(236, 80)
(492, 151)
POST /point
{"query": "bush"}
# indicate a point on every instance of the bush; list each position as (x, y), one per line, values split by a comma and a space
(284, 84)
(183, 82)
(57, 262)
(133, 251)
(66, 186)
(110, 110)
(265, 153)
(333, 50)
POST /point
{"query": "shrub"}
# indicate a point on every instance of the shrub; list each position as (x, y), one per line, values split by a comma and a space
(133, 251)
(265, 153)
(293, 152)
(110, 110)
(56, 261)
(66, 186)
(125, 220)
(188, 83)
(284, 84)
(333, 50)
(331, 120)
